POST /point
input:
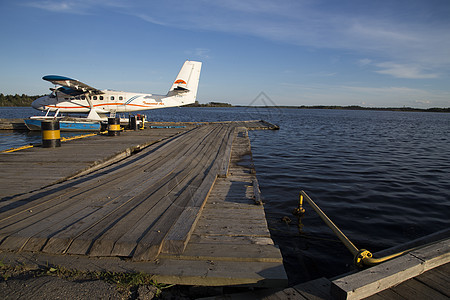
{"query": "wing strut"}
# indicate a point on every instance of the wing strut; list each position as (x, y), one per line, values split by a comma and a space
(93, 115)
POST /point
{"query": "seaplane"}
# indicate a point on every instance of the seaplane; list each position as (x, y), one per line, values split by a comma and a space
(72, 96)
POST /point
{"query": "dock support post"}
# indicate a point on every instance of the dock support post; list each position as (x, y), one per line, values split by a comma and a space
(113, 126)
(51, 134)
(133, 123)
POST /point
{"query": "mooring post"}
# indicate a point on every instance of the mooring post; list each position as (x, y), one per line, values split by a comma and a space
(51, 134)
(113, 126)
(133, 123)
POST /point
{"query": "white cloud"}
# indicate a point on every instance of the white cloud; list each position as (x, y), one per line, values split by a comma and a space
(82, 7)
(364, 62)
(422, 102)
(404, 71)
(199, 53)
(74, 7)
(150, 19)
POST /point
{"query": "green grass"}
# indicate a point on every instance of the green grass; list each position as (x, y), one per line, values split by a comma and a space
(125, 282)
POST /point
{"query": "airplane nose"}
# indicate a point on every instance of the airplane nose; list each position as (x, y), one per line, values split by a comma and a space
(38, 103)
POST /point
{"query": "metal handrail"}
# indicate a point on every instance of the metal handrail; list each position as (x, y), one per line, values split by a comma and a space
(361, 257)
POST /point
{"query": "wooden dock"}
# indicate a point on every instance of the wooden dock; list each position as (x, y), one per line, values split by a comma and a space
(421, 274)
(184, 207)
(12, 124)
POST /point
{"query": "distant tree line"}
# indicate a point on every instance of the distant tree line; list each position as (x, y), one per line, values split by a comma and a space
(356, 107)
(16, 100)
(210, 104)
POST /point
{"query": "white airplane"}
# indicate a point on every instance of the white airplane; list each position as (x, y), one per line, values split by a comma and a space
(74, 96)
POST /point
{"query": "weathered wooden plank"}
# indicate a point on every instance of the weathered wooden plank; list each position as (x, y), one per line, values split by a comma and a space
(171, 181)
(79, 246)
(229, 240)
(152, 184)
(256, 192)
(245, 213)
(220, 273)
(124, 235)
(390, 273)
(185, 183)
(228, 252)
(377, 278)
(219, 215)
(225, 161)
(234, 229)
(101, 219)
(414, 289)
(288, 293)
(151, 243)
(437, 278)
(64, 209)
(434, 255)
(315, 289)
(120, 175)
(35, 235)
(236, 204)
(385, 295)
(179, 234)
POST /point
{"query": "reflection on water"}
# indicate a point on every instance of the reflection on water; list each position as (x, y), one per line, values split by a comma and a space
(382, 177)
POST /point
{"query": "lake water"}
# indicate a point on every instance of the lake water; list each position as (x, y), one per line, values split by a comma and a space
(382, 177)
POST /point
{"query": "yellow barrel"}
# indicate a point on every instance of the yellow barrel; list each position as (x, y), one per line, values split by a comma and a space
(51, 135)
(113, 126)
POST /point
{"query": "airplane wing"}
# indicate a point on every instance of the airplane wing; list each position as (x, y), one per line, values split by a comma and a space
(75, 86)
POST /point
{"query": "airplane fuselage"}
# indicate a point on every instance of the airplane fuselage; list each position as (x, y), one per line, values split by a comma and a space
(109, 101)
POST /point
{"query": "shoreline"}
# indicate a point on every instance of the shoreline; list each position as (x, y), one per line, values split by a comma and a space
(328, 107)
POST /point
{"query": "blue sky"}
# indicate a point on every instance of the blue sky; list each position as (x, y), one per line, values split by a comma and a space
(298, 52)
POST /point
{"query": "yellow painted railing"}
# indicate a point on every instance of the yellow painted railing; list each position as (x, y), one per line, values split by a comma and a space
(361, 257)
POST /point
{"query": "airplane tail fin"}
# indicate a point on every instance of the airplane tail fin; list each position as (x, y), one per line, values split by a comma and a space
(186, 83)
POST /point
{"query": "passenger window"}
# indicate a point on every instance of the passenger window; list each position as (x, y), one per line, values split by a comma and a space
(112, 97)
(120, 98)
(95, 97)
(101, 97)
(83, 97)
